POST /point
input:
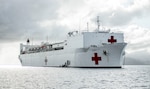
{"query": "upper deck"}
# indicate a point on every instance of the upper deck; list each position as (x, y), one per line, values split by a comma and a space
(88, 39)
(76, 40)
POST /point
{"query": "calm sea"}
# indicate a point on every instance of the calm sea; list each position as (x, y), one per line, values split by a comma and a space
(129, 77)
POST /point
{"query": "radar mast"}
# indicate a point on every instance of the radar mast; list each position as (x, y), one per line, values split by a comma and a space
(98, 23)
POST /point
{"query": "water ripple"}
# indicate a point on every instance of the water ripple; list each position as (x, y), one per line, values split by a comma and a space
(130, 77)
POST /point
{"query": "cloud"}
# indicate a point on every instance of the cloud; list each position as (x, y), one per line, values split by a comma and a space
(19, 18)
(138, 57)
(137, 37)
(119, 13)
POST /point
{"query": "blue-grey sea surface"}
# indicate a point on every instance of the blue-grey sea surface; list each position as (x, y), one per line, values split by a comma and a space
(129, 77)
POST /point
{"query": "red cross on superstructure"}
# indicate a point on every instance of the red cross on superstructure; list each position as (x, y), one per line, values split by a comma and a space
(112, 40)
(96, 58)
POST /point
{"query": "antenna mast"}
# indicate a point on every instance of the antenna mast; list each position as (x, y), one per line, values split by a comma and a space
(87, 26)
(98, 24)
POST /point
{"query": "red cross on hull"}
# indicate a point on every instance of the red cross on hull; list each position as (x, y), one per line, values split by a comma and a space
(96, 58)
(112, 40)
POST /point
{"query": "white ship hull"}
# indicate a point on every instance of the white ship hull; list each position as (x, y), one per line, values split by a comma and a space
(108, 55)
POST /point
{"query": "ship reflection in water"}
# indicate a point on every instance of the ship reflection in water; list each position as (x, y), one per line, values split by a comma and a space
(129, 77)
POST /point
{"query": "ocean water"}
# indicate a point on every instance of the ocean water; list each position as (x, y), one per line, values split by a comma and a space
(129, 77)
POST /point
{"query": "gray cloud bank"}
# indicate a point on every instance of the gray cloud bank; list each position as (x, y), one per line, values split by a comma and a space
(138, 58)
(19, 18)
(123, 15)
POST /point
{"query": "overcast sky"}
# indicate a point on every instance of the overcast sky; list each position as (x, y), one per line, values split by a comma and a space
(39, 19)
